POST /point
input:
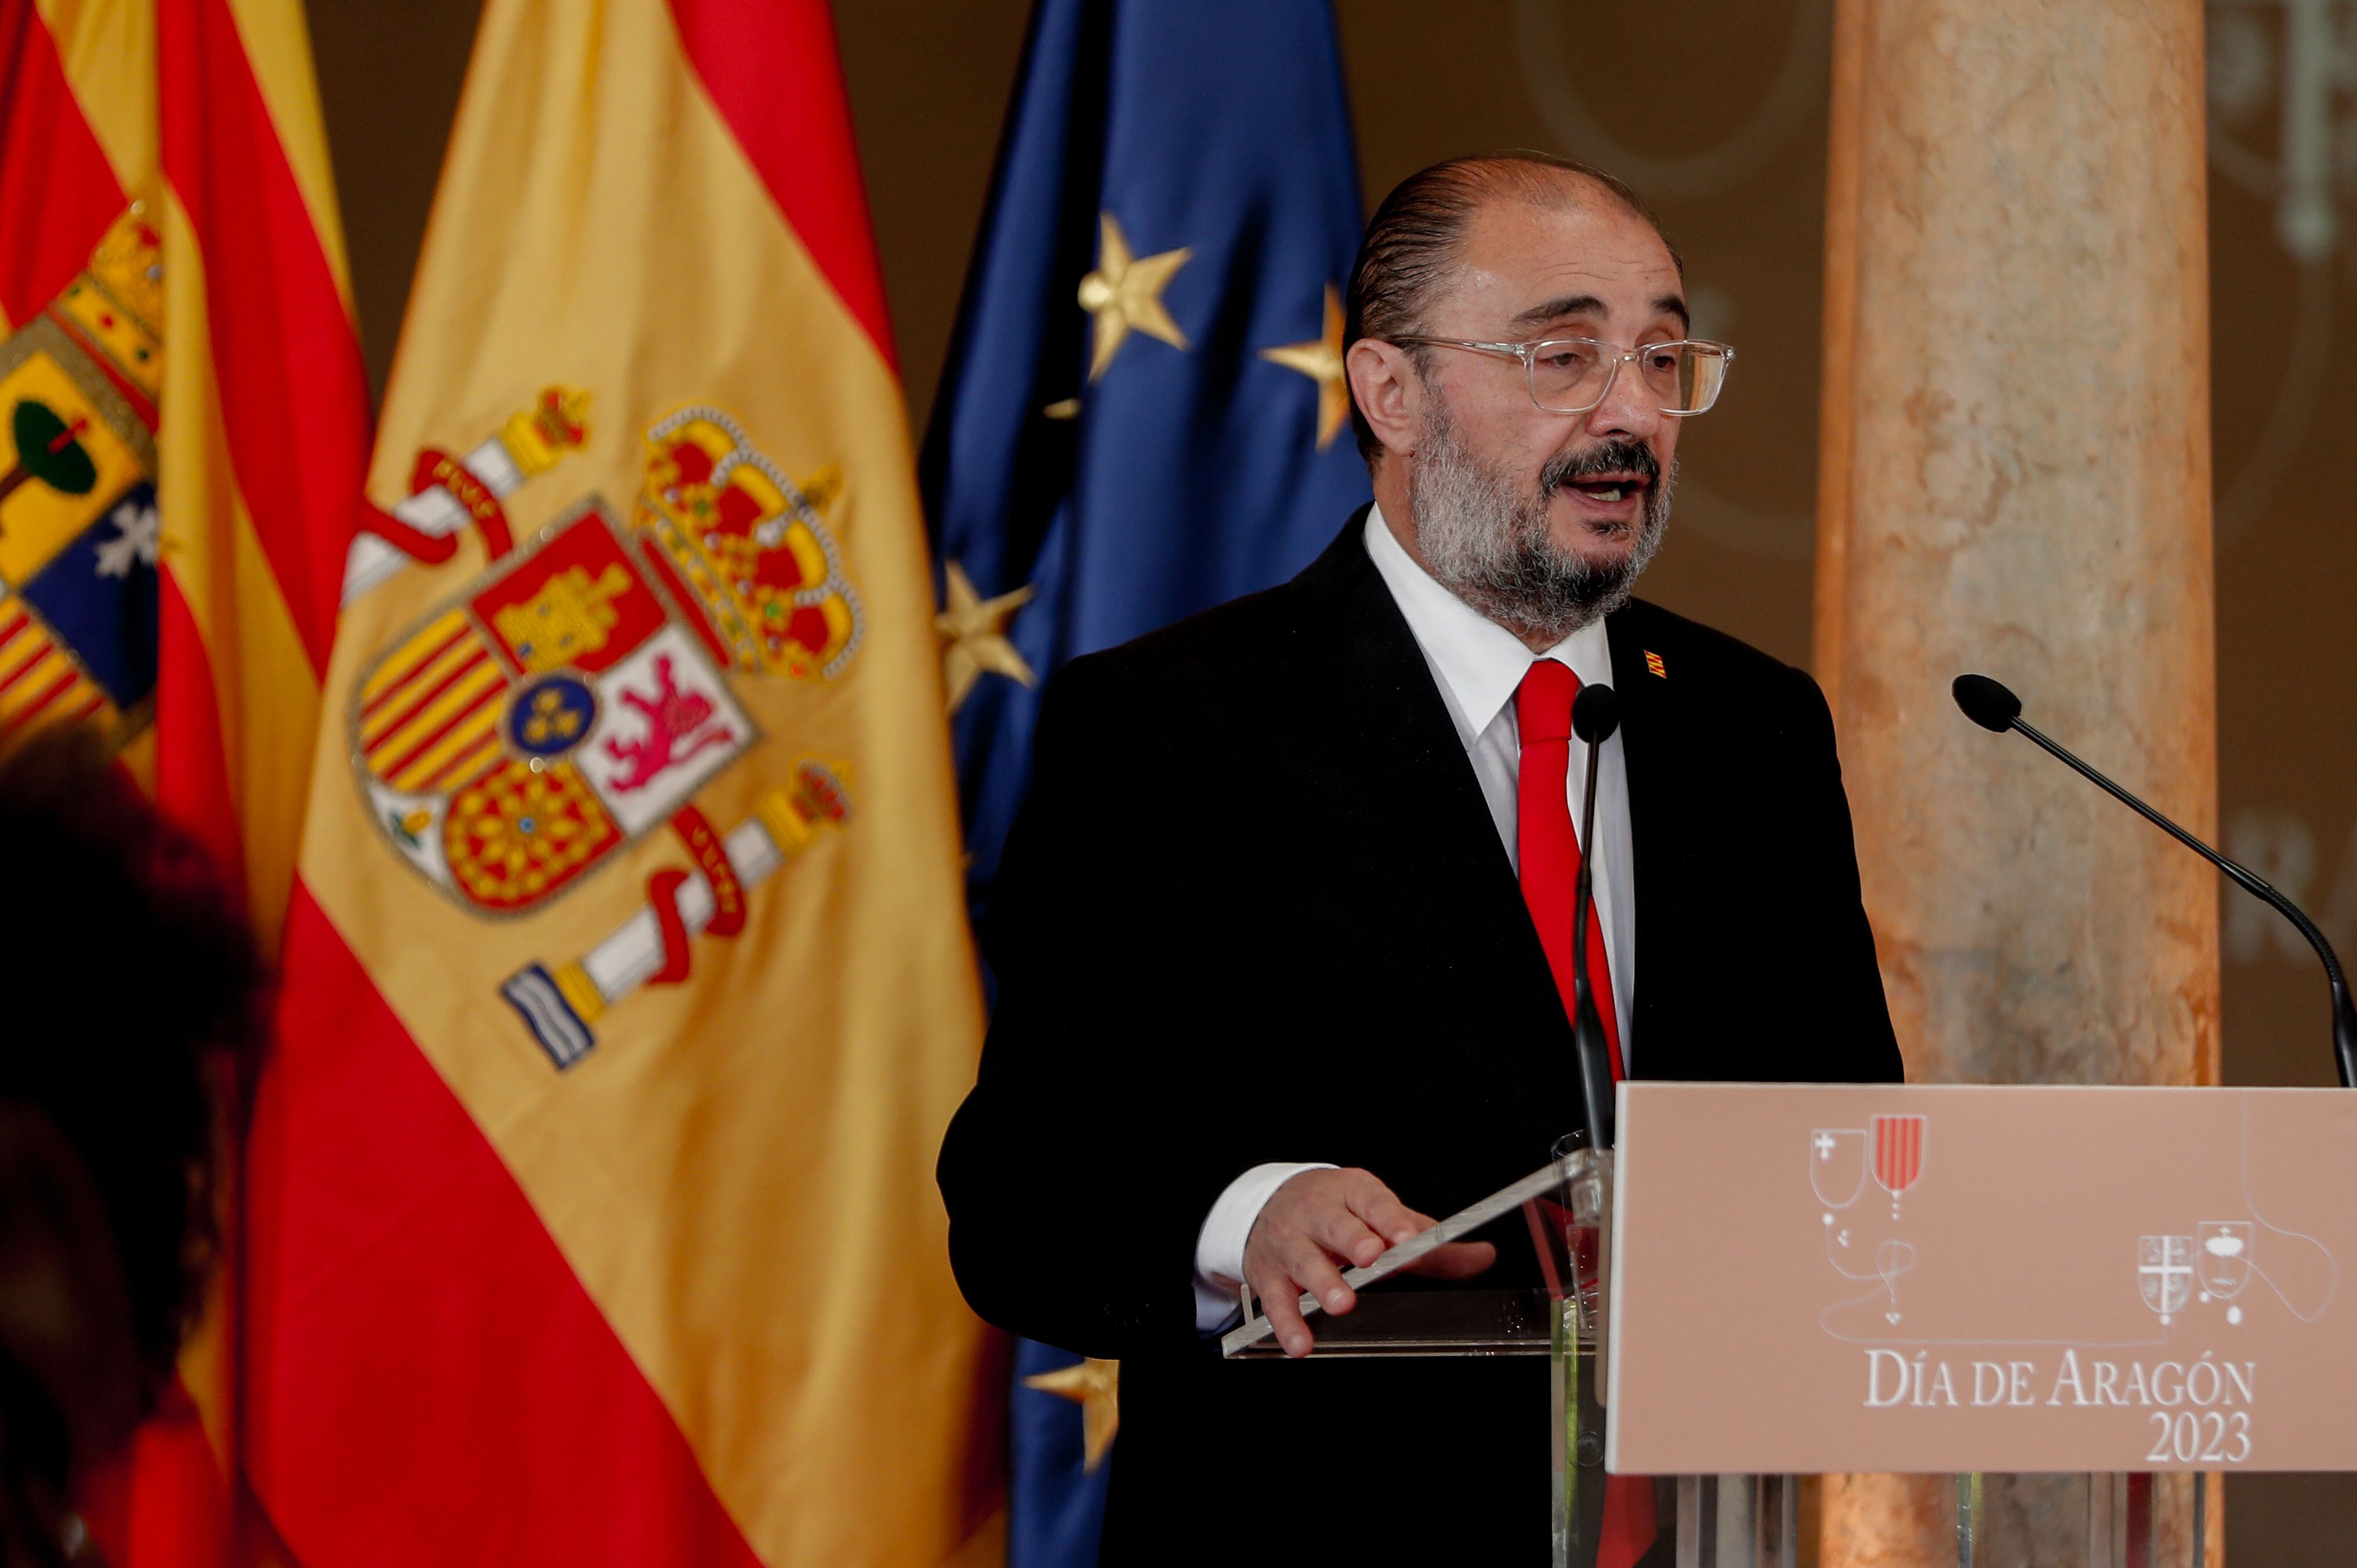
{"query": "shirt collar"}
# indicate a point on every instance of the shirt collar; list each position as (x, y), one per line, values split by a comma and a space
(1480, 661)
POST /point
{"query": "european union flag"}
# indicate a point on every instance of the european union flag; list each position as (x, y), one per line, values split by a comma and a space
(1144, 414)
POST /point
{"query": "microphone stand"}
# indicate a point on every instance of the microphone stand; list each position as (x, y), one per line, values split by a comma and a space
(1588, 1025)
(2344, 1012)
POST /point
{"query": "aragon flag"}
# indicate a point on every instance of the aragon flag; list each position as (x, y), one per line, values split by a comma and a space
(627, 985)
(183, 434)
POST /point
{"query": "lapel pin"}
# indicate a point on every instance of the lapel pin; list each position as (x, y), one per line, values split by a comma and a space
(1653, 663)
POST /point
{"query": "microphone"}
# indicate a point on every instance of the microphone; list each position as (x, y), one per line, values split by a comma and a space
(1993, 707)
(1595, 715)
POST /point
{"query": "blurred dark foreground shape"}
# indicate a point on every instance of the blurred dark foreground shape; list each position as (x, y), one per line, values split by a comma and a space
(133, 994)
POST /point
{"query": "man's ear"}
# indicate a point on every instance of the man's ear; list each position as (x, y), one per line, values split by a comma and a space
(1390, 396)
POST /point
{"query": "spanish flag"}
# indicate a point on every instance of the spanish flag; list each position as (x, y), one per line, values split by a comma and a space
(183, 437)
(627, 985)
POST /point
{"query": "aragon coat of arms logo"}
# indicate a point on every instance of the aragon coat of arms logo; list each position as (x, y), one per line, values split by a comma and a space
(79, 530)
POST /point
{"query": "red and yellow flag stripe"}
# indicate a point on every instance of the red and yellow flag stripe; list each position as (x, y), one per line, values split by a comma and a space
(204, 112)
(267, 419)
(57, 191)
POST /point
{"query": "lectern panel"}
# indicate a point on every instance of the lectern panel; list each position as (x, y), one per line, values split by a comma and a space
(1958, 1279)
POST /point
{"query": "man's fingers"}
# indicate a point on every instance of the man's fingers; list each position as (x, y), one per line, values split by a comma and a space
(1383, 1213)
(1284, 1316)
(1313, 1272)
(1321, 1223)
(1342, 1233)
(1301, 1265)
(1453, 1260)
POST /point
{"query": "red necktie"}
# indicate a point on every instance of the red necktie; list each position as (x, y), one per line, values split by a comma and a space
(1549, 848)
(1549, 855)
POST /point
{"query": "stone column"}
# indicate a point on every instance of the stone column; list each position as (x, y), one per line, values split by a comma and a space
(2014, 478)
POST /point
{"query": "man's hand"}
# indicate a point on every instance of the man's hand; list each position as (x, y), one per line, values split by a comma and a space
(1324, 1221)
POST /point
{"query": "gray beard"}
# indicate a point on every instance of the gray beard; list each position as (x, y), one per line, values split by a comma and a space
(1486, 541)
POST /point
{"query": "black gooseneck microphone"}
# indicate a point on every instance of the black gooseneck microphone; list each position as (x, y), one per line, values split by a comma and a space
(1595, 715)
(1993, 707)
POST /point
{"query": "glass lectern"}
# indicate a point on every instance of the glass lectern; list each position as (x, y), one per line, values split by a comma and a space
(1550, 1295)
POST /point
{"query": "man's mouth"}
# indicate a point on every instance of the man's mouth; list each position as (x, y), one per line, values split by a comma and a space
(1611, 488)
(1608, 478)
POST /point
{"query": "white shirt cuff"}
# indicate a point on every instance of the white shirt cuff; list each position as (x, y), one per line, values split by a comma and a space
(1219, 1245)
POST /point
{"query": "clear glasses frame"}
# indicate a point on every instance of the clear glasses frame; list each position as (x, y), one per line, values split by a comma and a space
(1710, 361)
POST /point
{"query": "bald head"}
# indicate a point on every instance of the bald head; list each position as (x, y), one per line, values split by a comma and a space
(1417, 238)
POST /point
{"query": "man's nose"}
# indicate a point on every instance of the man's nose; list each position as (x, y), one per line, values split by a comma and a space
(1628, 412)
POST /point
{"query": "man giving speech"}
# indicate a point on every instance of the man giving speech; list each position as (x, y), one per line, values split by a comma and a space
(1282, 936)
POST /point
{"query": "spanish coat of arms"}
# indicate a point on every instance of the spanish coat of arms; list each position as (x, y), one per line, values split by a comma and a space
(576, 696)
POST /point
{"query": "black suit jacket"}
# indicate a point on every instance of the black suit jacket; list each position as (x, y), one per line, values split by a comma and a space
(1254, 909)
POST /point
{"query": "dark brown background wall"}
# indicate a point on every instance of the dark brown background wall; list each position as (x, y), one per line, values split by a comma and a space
(1716, 109)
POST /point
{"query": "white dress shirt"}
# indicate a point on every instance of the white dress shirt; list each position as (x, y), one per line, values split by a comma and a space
(1477, 664)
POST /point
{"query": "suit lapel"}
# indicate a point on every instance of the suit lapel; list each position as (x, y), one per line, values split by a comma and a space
(1661, 782)
(1392, 742)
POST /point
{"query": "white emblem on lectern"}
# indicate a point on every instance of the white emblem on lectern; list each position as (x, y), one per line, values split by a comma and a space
(2223, 1261)
(1838, 1166)
(2165, 1272)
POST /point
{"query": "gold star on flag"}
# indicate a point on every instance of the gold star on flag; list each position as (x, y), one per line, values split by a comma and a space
(975, 628)
(1124, 294)
(1321, 360)
(1095, 1387)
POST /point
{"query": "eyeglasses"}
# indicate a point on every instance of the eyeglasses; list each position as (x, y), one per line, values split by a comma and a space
(1572, 375)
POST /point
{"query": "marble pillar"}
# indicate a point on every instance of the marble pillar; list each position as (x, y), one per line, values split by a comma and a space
(2014, 478)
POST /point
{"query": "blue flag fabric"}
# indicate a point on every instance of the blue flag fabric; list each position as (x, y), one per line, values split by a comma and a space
(1143, 415)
